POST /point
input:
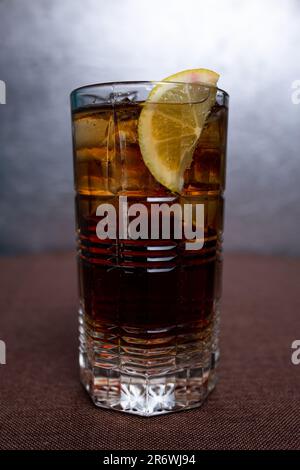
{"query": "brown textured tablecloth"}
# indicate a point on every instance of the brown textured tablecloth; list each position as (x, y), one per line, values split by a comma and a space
(256, 404)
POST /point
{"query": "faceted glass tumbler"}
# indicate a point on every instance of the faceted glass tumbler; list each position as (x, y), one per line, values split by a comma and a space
(148, 308)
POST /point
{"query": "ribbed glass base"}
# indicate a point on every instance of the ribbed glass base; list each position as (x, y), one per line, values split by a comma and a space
(146, 381)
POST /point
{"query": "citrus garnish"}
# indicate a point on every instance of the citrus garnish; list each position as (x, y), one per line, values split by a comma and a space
(171, 122)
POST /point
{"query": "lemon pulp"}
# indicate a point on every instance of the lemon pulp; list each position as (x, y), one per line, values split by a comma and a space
(171, 123)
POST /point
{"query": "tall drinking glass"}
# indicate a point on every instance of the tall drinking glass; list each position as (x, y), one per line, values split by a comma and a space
(149, 292)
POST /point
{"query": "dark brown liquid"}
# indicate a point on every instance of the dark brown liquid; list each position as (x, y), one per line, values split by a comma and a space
(147, 288)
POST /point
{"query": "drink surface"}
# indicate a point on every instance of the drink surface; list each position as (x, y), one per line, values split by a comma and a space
(139, 296)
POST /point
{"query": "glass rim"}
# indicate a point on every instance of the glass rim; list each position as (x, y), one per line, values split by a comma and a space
(145, 82)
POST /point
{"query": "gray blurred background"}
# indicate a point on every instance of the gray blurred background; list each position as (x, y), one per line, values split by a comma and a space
(47, 48)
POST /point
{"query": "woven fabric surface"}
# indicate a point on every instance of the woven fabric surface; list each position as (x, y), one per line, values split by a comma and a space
(256, 404)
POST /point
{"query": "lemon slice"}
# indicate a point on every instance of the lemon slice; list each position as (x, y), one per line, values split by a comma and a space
(171, 122)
